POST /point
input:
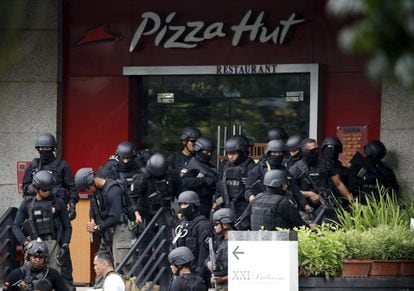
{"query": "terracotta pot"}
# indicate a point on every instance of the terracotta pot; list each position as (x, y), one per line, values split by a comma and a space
(385, 268)
(407, 268)
(356, 268)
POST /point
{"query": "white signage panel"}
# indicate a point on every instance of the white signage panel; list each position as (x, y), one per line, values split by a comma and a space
(267, 260)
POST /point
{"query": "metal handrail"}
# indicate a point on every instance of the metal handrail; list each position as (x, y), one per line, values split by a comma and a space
(156, 264)
(151, 260)
(146, 250)
(138, 241)
(9, 243)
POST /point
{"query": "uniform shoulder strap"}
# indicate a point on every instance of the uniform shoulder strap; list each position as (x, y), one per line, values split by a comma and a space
(36, 165)
(54, 165)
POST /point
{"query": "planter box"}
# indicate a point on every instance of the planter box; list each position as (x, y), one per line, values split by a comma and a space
(385, 268)
(356, 284)
(356, 268)
(407, 268)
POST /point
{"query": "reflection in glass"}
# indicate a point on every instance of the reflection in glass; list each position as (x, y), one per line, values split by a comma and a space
(253, 102)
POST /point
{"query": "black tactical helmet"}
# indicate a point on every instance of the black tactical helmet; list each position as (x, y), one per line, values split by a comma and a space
(224, 215)
(204, 143)
(84, 178)
(44, 180)
(180, 256)
(38, 248)
(332, 141)
(276, 133)
(189, 197)
(157, 165)
(375, 150)
(190, 132)
(274, 178)
(45, 140)
(237, 144)
(275, 146)
(293, 142)
(125, 150)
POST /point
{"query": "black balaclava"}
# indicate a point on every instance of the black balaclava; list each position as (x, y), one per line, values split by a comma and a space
(310, 157)
(330, 153)
(46, 156)
(275, 161)
(189, 212)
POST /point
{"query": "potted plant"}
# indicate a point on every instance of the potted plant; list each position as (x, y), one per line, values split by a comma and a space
(358, 255)
(379, 231)
(364, 236)
(321, 251)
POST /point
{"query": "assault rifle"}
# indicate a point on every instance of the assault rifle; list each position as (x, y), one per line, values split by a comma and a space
(212, 255)
(126, 185)
(326, 197)
(157, 198)
(243, 222)
(206, 171)
(221, 187)
(106, 235)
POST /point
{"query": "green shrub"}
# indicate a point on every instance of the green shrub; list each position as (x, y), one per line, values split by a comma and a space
(321, 251)
(383, 210)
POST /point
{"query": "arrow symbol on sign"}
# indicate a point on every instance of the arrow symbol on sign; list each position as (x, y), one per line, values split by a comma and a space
(235, 252)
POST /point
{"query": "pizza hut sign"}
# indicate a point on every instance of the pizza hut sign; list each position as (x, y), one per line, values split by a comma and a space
(193, 33)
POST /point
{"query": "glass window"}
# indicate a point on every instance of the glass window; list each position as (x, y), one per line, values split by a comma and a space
(248, 103)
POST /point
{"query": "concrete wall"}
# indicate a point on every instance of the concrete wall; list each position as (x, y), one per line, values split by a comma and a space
(397, 133)
(28, 84)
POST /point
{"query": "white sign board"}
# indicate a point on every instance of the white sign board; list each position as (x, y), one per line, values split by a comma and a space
(267, 260)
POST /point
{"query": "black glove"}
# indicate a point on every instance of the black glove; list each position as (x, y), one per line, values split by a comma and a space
(61, 254)
(72, 211)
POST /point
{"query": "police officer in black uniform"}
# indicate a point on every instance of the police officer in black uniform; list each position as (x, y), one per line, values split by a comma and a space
(125, 160)
(223, 220)
(154, 187)
(108, 215)
(34, 270)
(64, 188)
(277, 133)
(123, 170)
(181, 259)
(44, 216)
(331, 147)
(293, 148)
(232, 174)
(126, 166)
(193, 232)
(369, 170)
(275, 208)
(314, 177)
(177, 160)
(273, 159)
(200, 175)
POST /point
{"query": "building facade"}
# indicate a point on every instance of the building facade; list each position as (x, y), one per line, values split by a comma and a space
(99, 72)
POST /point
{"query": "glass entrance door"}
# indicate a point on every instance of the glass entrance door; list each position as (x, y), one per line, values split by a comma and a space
(247, 104)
